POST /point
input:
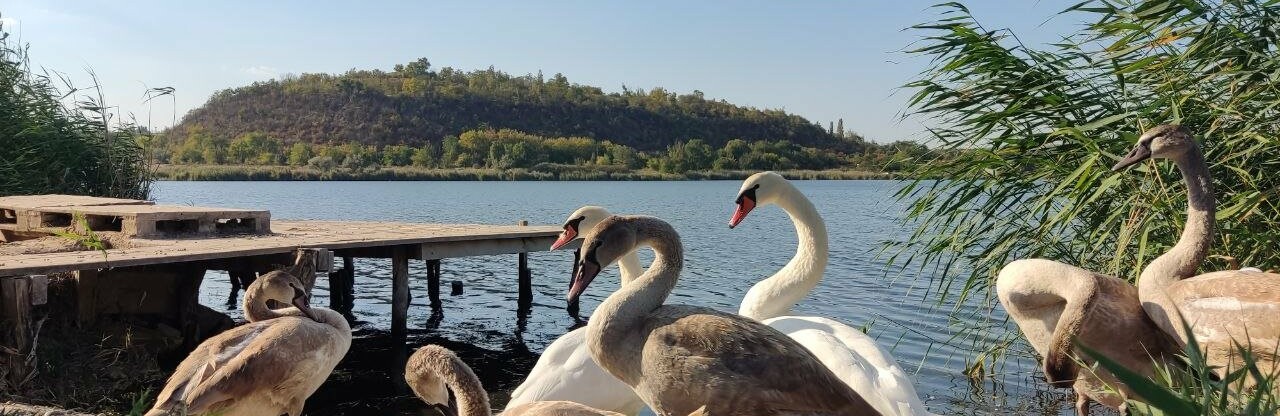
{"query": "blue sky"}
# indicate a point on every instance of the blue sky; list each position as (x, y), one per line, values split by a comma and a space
(820, 59)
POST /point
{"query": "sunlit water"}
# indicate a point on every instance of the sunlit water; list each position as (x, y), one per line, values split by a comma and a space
(899, 306)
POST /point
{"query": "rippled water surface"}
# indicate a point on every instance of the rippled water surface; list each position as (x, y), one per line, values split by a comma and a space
(900, 308)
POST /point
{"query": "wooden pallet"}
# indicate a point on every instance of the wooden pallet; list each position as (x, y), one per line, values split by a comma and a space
(47, 213)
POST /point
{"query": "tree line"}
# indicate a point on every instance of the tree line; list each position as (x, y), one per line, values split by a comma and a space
(511, 149)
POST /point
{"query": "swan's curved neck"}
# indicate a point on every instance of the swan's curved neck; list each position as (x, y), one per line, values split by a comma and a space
(615, 330)
(776, 295)
(629, 267)
(466, 387)
(1184, 258)
(256, 309)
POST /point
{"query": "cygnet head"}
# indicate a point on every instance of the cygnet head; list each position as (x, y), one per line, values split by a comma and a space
(604, 244)
(422, 373)
(284, 288)
(1166, 141)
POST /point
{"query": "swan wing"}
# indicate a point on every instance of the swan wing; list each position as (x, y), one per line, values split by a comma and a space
(1232, 306)
(274, 356)
(202, 362)
(739, 363)
(857, 360)
(566, 372)
(557, 408)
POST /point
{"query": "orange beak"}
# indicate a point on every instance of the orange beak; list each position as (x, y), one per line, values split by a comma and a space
(566, 236)
(744, 208)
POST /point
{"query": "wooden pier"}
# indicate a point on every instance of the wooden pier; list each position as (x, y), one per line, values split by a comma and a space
(160, 272)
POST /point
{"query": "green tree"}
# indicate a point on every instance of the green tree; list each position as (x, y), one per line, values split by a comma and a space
(735, 149)
(449, 152)
(299, 154)
(425, 156)
(397, 155)
(698, 155)
(254, 148)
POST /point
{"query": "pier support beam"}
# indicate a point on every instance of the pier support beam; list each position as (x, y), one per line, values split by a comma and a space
(399, 291)
(188, 305)
(526, 282)
(240, 280)
(342, 286)
(19, 295)
(525, 301)
(433, 284)
(86, 297)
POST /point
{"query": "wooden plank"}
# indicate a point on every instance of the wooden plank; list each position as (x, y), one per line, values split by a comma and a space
(289, 235)
(53, 200)
(16, 294)
(485, 247)
(399, 292)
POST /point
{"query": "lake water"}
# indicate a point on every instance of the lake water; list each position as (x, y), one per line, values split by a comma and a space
(900, 308)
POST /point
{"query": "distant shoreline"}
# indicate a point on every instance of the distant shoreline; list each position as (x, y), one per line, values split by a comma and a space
(291, 173)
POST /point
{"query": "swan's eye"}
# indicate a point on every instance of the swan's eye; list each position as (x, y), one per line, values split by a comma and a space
(750, 193)
(574, 223)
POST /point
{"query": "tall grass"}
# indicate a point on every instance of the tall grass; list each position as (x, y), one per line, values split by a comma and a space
(50, 145)
(1194, 390)
(1032, 132)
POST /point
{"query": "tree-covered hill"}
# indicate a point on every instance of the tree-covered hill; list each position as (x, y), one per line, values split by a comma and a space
(414, 104)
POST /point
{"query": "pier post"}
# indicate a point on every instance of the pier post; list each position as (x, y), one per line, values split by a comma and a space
(86, 296)
(525, 300)
(240, 280)
(433, 284)
(344, 289)
(188, 282)
(19, 294)
(399, 291)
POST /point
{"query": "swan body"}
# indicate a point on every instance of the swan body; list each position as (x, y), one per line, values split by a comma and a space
(852, 355)
(565, 371)
(434, 370)
(266, 367)
(684, 359)
(1054, 303)
(1221, 308)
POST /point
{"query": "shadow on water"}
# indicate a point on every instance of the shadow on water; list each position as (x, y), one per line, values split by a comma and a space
(373, 371)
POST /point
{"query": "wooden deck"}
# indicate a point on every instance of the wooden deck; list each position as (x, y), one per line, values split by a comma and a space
(359, 239)
(158, 272)
(47, 213)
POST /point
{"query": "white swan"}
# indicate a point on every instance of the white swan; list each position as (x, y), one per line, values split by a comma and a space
(684, 359)
(1222, 308)
(850, 354)
(266, 367)
(565, 371)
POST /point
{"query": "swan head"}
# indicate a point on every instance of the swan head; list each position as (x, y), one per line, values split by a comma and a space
(285, 289)
(583, 219)
(1166, 141)
(422, 374)
(604, 244)
(763, 188)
